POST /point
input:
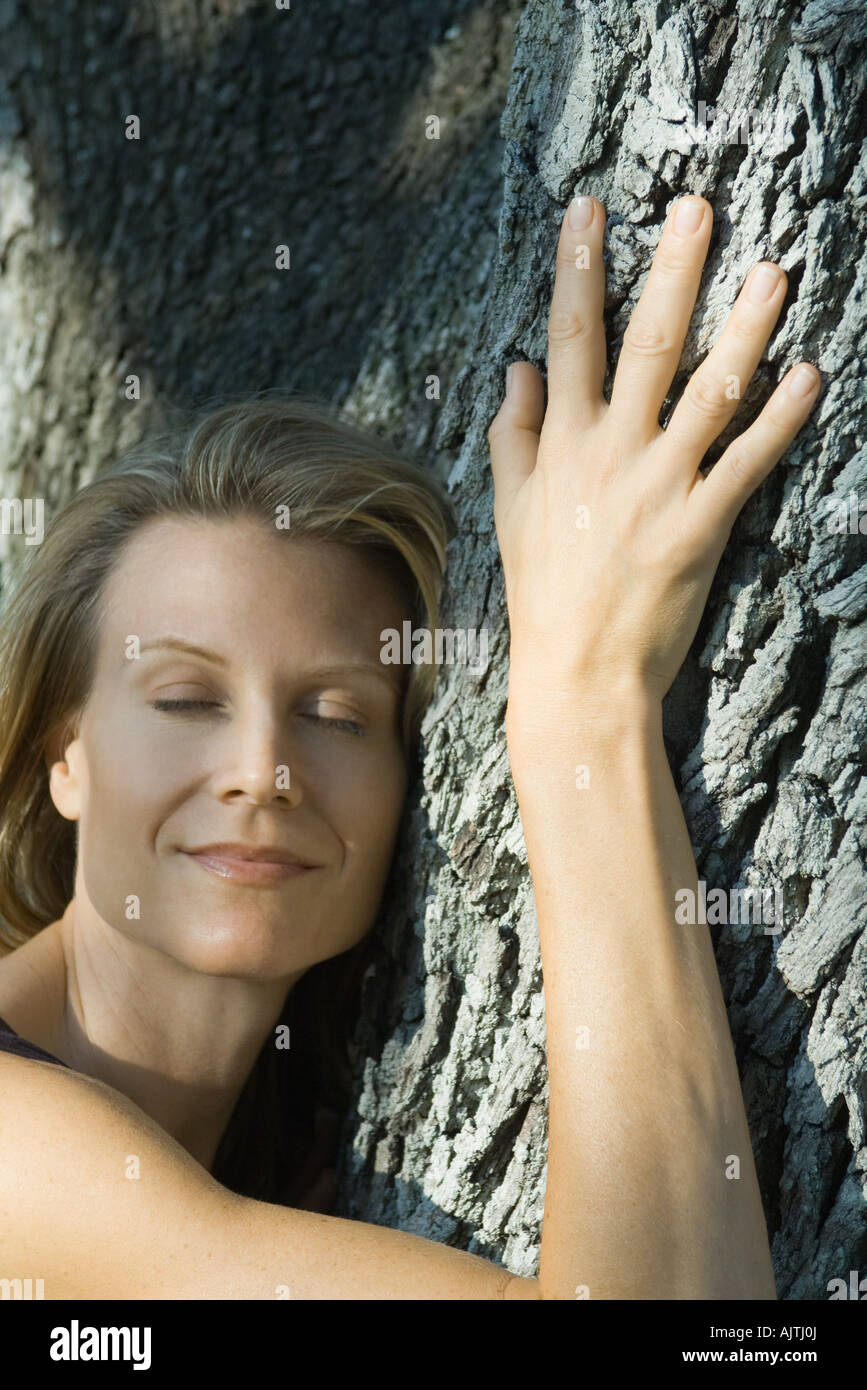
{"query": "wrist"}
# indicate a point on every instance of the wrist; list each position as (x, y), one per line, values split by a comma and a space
(545, 687)
(556, 716)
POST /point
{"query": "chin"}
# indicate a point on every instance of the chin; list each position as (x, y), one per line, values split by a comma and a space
(240, 950)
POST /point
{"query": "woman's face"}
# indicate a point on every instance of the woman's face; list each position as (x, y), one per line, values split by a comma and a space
(284, 619)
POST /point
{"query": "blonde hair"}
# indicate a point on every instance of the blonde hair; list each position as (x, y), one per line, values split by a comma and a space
(256, 455)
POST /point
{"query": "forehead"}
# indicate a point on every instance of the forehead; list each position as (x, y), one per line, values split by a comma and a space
(235, 587)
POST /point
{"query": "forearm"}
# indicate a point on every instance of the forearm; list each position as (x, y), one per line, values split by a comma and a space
(646, 1109)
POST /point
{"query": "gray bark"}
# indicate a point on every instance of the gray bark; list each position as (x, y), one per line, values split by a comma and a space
(766, 723)
(308, 128)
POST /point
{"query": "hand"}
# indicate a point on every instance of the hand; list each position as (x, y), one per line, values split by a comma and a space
(609, 598)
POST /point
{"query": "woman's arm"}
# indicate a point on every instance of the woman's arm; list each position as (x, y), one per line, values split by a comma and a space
(99, 1202)
(645, 1107)
(610, 536)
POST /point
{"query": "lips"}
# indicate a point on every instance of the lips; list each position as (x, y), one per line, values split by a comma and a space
(258, 854)
(250, 864)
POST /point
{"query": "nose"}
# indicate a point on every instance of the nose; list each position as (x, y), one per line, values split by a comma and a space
(257, 757)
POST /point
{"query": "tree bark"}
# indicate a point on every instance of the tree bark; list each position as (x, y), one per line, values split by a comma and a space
(310, 128)
(765, 725)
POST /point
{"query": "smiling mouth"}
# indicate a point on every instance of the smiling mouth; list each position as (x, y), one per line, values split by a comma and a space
(248, 871)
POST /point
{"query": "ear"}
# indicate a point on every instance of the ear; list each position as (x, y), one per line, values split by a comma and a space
(61, 762)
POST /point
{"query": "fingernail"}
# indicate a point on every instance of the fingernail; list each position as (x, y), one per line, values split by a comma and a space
(763, 282)
(801, 382)
(688, 216)
(580, 212)
(509, 378)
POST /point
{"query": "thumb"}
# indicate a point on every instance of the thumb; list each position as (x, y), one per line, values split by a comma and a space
(513, 434)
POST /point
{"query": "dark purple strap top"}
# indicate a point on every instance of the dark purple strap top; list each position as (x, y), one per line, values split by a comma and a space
(10, 1041)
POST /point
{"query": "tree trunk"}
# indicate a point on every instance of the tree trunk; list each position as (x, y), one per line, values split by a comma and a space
(766, 723)
(156, 258)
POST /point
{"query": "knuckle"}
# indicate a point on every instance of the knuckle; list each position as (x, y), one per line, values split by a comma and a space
(568, 258)
(705, 397)
(742, 328)
(738, 466)
(670, 262)
(498, 424)
(645, 338)
(567, 325)
(779, 418)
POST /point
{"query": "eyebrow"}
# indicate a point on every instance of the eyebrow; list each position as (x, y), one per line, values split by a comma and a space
(343, 668)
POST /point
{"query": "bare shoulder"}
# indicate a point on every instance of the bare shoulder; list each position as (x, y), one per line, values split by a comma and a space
(84, 1173)
(99, 1202)
(40, 1101)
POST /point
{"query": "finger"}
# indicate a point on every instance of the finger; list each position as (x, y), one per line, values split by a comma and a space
(513, 434)
(713, 392)
(749, 459)
(576, 333)
(653, 341)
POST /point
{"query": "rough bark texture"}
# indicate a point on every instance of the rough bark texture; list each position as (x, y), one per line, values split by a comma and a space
(766, 723)
(309, 128)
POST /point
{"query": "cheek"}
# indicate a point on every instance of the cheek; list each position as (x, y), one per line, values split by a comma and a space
(133, 785)
(131, 780)
(368, 812)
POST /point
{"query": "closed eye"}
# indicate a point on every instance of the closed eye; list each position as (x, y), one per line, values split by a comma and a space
(183, 704)
(347, 725)
(189, 706)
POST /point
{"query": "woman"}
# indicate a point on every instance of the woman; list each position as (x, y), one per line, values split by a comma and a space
(200, 691)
